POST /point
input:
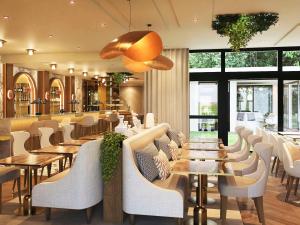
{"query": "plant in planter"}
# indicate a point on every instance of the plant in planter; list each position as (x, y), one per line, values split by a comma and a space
(118, 78)
(111, 149)
(241, 28)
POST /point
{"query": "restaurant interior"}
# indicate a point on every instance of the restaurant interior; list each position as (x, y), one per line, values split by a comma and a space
(147, 112)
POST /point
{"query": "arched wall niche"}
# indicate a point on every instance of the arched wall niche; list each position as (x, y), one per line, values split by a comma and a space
(25, 92)
(57, 95)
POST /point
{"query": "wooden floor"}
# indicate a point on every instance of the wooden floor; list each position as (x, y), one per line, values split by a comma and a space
(277, 212)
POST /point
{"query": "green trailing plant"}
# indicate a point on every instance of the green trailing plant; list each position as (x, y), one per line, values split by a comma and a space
(118, 78)
(241, 28)
(111, 148)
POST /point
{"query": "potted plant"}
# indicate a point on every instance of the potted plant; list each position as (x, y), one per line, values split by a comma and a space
(111, 164)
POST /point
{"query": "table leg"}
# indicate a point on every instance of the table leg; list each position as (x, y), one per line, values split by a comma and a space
(61, 165)
(27, 202)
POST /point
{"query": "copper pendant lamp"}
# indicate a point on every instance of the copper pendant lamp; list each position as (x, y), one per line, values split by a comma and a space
(160, 63)
(137, 67)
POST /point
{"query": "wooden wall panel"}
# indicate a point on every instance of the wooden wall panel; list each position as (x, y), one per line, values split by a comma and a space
(67, 94)
(43, 87)
(8, 84)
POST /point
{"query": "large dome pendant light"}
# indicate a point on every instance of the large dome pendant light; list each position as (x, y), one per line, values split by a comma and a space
(137, 45)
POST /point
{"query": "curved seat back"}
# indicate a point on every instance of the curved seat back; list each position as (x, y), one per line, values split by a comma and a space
(45, 132)
(20, 137)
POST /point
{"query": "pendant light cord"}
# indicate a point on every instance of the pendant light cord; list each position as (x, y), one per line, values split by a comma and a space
(129, 26)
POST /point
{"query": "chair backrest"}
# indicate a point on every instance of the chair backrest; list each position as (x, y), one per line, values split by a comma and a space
(280, 148)
(87, 121)
(265, 136)
(258, 131)
(34, 128)
(5, 126)
(45, 132)
(291, 152)
(273, 139)
(52, 124)
(67, 130)
(245, 134)
(20, 137)
(253, 139)
(238, 130)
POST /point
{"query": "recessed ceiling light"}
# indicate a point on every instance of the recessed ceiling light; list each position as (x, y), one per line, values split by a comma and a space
(96, 76)
(85, 74)
(5, 17)
(30, 51)
(71, 70)
(72, 2)
(2, 42)
(196, 19)
(53, 66)
(51, 36)
(103, 25)
(78, 47)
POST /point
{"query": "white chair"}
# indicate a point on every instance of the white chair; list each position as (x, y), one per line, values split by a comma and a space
(67, 130)
(238, 144)
(265, 136)
(280, 150)
(149, 122)
(273, 138)
(249, 165)
(86, 125)
(291, 164)
(79, 187)
(46, 132)
(251, 186)
(19, 139)
(243, 154)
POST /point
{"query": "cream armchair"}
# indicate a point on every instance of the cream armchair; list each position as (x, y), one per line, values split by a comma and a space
(291, 164)
(67, 130)
(79, 187)
(238, 144)
(45, 132)
(142, 197)
(249, 186)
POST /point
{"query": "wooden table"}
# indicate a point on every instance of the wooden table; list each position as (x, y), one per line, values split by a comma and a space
(30, 161)
(74, 142)
(203, 155)
(209, 146)
(66, 151)
(202, 169)
(293, 135)
(205, 140)
(91, 137)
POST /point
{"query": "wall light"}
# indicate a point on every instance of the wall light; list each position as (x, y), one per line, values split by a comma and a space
(30, 51)
(85, 74)
(53, 66)
(2, 42)
(71, 70)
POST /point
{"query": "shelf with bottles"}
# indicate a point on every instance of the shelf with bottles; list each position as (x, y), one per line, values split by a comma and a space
(22, 92)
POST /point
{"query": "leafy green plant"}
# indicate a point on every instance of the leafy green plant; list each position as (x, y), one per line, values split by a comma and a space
(111, 148)
(241, 28)
(118, 78)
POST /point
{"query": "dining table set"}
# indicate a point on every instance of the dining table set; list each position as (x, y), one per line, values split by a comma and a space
(40, 158)
(202, 157)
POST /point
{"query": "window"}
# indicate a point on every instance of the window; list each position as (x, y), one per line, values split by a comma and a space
(291, 61)
(251, 61)
(205, 62)
(254, 98)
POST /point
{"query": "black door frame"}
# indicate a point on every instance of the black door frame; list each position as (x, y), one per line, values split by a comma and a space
(223, 78)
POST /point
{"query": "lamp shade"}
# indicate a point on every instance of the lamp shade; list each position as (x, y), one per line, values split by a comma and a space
(137, 45)
(160, 63)
(137, 67)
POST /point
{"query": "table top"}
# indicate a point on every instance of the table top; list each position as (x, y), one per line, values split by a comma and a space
(30, 160)
(212, 168)
(220, 155)
(205, 140)
(91, 137)
(293, 136)
(57, 150)
(289, 133)
(74, 142)
(210, 146)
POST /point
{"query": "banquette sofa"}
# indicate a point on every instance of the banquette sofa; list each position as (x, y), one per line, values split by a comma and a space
(163, 198)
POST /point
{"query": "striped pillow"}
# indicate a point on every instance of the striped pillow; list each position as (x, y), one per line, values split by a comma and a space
(173, 135)
(162, 164)
(182, 138)
(162, 144)
(174, 150)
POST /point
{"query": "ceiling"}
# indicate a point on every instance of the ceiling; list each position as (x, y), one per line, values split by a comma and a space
(73, 35)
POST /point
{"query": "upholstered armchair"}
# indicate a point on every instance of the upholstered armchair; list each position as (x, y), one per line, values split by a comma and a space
(79, 187)
(249, 186)
(67, 130)
(45, 132)
(238, 144)
(291, 164)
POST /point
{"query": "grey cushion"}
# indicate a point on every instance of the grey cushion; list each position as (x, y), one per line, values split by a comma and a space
(173, 135)
(8, 173)
(250, 117)
(162, 144)
(144, 158)
(240, 116)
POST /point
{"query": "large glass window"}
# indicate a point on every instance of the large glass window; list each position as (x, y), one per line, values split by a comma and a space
(291, 61)
(205, 62)
(251, 61)
(291, 103)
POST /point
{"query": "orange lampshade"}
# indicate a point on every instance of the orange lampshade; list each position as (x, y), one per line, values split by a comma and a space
(137, 67)
(160, 63)
(137, 45)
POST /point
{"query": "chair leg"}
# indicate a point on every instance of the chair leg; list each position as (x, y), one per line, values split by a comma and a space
(282, 177)
(0, 198)
(296, 187)
(49, 166)
(274, 162)
(89, 215)
(14, 186)
(47, 213)
(25, 178)
(131, 219)
(260, 209)
(223, 211)
(290, 185)
(19, 190)
(35, 176)
(277, 167)
(287, 181)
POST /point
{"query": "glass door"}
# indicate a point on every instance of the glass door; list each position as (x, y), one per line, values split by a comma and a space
(291, 104)
(203, 109)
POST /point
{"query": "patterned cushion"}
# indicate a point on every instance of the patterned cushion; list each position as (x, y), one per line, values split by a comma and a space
(182, 138)
(173, 135)
(144, 158)
(162, 163)
(175, 151)
(162, 144)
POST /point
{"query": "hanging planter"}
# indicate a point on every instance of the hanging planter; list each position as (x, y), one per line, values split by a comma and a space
(241, 28)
